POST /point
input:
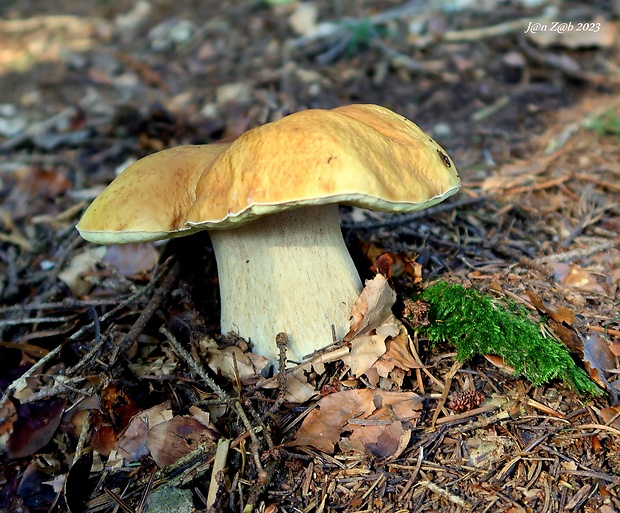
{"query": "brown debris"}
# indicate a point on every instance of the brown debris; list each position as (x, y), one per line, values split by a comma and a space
(92, 346)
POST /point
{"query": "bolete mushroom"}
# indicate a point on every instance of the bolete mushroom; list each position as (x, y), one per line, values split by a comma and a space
(269, 200)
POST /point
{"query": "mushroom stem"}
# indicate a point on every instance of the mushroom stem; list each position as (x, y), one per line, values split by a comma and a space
(288, 272)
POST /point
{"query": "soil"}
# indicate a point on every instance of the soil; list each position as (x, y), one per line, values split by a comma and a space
(532, 121)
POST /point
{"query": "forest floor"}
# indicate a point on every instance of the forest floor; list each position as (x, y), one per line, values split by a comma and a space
(99, 402)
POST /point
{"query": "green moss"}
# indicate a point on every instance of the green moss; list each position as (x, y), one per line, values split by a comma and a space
(607, 123)
(477, 324)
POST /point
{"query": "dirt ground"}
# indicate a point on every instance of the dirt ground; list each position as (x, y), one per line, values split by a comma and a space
(525, 98)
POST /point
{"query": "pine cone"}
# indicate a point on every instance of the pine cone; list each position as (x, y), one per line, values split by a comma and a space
(465, 401)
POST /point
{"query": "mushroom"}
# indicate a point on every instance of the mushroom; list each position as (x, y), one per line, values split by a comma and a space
(269, 200)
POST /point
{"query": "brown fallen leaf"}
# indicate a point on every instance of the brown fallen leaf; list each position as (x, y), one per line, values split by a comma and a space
(132, 445)
(599, 360)
(574, 276)
(379, 422)
(397, 356)
(132, 259)
(34, 426)
(372, 308)
(173, 439)
(366, 349)
(611, 414)
(231, 362)
(373, 323)
(559, 314)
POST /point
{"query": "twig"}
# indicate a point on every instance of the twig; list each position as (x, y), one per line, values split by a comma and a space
(282, 342)
(221, 394)
(147, 491)
(337, 29)
(39, 128)
(148, 312)
(455, 499)
(501, 29)
(577, 253)
(34, 320)
(217, 472)
(28, 374)
(446, 390)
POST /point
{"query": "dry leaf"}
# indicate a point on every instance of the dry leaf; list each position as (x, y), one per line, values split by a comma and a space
(132, 445)
(223, 361)
(34, 426)
(131, 259)
(78, 266)
(598, 359)
(574, 276)
(397, 355)
(559, 314)
(372, 308)
(378, 422)
(612, 412)
(498, 361)
(367, 349)
(373, 323)
(171, 440)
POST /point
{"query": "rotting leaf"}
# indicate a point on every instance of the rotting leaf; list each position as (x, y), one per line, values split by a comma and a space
(369, 416)
(173, 439)
(35, 426)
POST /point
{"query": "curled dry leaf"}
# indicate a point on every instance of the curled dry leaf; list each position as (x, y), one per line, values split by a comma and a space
(231, 361)
(559, 314)
(373, 323)
(132, 444)
(397, 357)
(372, 308)
(379, 422)
(599, 360)
(368, 348)
(574, 276)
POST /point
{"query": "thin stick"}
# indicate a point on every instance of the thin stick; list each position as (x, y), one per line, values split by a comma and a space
(217, 472)
(577, 253)
(221, 394)
(148, 312)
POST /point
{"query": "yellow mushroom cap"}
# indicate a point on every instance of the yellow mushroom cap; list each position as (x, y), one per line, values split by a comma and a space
(362, 155)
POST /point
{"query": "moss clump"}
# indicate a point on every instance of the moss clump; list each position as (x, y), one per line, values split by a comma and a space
(478, 325)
